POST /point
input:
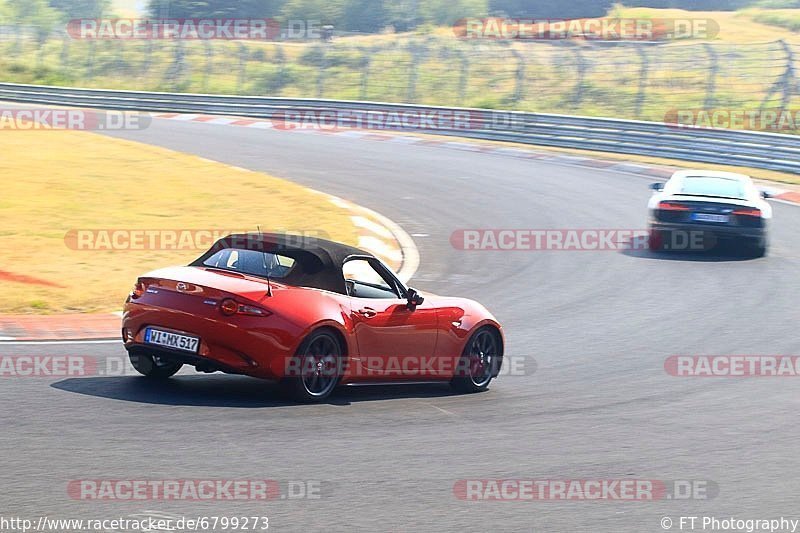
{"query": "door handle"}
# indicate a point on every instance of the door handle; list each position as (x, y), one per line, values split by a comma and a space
(367, 312)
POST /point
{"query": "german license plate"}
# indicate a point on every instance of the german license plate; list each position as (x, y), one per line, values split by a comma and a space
(176, 341)
(710, 217)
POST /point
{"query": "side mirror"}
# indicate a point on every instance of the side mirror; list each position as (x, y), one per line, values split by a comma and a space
(414, 298)
(657, 186)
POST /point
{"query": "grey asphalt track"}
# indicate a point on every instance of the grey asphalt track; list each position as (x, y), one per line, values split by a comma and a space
(598, 325)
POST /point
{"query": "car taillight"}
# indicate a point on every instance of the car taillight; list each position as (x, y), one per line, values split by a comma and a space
(230, 307)
(252, 310)
(748, 212)
(672, 206)
(138, 290)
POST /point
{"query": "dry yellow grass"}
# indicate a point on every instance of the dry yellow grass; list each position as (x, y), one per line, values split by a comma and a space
(734, 26)
(56, 181)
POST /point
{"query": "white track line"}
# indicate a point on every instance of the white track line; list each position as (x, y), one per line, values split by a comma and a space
(185, 117)
(410, 251)
(407, 246)
(224, 121)
(380, 248)
(369, 225)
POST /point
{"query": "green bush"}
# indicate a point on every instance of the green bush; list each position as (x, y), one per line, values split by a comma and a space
(790, 21)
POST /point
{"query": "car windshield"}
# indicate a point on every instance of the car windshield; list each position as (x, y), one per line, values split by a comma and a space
(712, 186)
(253, 262)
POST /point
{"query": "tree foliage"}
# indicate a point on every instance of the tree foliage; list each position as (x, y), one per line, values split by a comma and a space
(548, 9)
(214, 8)
(73, 9)
(347, 15)
(36, 13)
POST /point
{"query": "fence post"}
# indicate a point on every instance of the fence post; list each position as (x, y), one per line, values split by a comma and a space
(711, 85)
(148, 57)
(785, 83)
(281, 81)
(364, 63)
(418, 52)
(788, 81)
(208, 70)
(463, 76)
(177, 71)
(240, 79)
(42, 35)
(16, 48)
(64, 57)
(181, 66)
(643, 72)
(90, 57)
(580, 71)
(519, 76)
(322, 70)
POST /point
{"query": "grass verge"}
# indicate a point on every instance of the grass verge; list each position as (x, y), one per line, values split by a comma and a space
(55, 181)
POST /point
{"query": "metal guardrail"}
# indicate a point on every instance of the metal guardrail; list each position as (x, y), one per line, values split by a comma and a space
(729, 147)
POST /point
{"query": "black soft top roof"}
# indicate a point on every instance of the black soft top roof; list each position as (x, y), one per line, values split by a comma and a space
(318, 262)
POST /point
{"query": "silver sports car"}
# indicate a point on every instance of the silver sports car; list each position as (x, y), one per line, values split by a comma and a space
(696, 209)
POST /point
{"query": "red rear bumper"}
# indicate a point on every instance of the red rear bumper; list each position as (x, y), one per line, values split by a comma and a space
(255, 346)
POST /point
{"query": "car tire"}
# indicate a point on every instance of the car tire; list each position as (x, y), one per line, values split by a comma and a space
(759, 249)
(153, 367)
(319, 363)
(479, 362)
(655, 240)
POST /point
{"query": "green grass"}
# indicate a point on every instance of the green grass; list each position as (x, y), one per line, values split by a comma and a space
(783, 18)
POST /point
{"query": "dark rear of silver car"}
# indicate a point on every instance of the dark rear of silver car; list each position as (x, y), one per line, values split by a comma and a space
(686, 215)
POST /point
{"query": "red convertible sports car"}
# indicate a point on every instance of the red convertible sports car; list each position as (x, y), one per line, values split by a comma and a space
(309, 313)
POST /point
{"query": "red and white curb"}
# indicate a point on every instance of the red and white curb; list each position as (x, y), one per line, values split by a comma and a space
(778, 194)
(383, 238)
